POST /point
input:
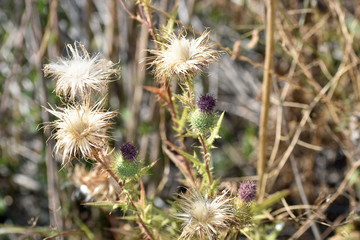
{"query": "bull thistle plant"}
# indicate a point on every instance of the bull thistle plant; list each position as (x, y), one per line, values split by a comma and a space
(82, 131)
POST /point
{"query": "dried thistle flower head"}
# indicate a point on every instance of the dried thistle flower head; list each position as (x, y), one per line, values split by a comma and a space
(80, 75)
(247, 191)
(202, 217)
(207, 103)
(80, 129)
(96, 182)
(182, 56)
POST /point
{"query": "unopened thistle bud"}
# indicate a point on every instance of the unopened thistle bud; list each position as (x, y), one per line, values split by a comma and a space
(202, 120)
(247, 191)
(126, 165)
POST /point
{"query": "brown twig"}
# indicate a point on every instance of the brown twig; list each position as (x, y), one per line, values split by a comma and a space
(101, 157)
(51, 168)
(135, 17)
(306, 115)
(185, 169)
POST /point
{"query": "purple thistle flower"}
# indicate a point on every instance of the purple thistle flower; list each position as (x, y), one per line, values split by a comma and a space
(207, 103)
(247, 191)
(129, 151)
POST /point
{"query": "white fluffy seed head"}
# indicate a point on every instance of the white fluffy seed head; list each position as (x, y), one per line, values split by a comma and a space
(182, 56)
(203, 217)
(80, 129)
(80, 75)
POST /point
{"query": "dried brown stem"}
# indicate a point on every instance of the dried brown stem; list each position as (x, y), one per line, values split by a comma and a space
(101, 157)
(51, 168)
(179, 162)
(170, 103)
(266, 89)
(137, 18)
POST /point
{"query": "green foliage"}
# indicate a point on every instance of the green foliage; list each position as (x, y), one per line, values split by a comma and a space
(195, 160)
(270, 201)
(214, 132)
(181, 123)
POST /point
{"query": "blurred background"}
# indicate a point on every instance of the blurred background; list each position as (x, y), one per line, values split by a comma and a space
(314, 114)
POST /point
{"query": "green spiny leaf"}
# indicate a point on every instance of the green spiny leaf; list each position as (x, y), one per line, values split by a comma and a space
(181, 122)
(108, 204)
(170, 24)
(194, 159)
(214, 132)
(271, 200)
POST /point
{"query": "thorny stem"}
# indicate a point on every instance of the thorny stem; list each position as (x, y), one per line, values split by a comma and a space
(151, 25)
(102, 159)
(170, 102)
(187, 164)
(148, 22)
(181, 140)
(191, 88)
(99, 156)
(141, 222)
(206, 159)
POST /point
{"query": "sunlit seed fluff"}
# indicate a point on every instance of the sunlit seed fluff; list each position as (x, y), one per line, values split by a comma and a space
(79, 130)
(80, 75)
(202, 217)
(182, 56)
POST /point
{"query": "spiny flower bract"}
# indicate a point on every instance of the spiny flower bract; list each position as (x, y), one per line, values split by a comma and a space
(79, 129)
(201, 123)
(80, 75)
(202, 217)
(182, 56)
(124, 168)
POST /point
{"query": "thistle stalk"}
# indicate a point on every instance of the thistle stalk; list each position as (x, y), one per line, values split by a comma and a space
(206, 159)
(266, 89)
(99, 156)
